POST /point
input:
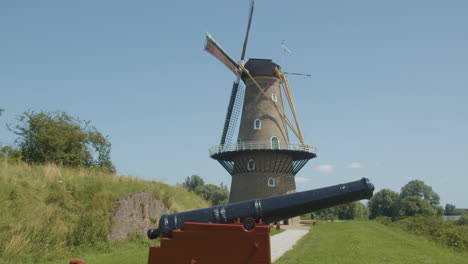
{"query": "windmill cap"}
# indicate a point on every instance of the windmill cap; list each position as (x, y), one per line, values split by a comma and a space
(260, 67)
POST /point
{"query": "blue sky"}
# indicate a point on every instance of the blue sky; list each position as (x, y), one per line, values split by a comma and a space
(387, 97)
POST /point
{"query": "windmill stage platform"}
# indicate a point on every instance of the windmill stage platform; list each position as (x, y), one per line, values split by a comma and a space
(299, 154)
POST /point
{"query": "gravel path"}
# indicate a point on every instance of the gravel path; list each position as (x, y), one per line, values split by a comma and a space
(284, 241)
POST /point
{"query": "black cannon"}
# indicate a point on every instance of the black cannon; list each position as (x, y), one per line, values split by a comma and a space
(269, 209)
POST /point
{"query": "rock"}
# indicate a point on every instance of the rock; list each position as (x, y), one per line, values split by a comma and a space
(135, 214)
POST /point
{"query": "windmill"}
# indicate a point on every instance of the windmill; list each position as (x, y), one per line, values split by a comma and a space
(262, 162)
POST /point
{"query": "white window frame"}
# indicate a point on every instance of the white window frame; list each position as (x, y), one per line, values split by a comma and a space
(251, 168)
(272, 145)
(271, 179)
(259, 124)
(274, 97)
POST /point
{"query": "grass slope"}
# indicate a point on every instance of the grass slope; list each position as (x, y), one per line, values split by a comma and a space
(126, 252)
(48, 212)
(367, 242)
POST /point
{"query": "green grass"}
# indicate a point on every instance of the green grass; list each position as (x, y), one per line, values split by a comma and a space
(126, 252)
(367, 242)
(48, 212)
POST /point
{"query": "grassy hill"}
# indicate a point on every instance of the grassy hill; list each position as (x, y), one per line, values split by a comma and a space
(49, 213)
(367, 242)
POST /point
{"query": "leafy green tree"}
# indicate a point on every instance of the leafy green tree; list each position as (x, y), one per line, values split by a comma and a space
(59, 138)
(347, 211)
(384, 203)
(192, 182)
(217, 194)
(449, 209)
(463, 220)
(353, 210)
(361, 211)
(420, 189)
(344, 211)
(415, 205)
(210, 192)
(439, 210)
(10, 153)
(327, 212)
(1, 111)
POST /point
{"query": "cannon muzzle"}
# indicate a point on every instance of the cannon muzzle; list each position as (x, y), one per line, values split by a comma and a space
(270, 209)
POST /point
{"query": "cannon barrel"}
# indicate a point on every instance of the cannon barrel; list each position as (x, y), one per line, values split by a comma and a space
(268, 209)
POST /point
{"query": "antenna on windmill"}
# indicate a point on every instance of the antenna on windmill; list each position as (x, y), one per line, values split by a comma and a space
(287, 51)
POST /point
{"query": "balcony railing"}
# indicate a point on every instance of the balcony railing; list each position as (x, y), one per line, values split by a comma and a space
(260, 145)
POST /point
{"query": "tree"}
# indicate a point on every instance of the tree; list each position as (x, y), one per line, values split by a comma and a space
(327, 212)
(10, 153)
(415, 205)
(59, 138)
(449, 209)
(192, 182)
(361, 211)
(420, 189)
(463, 220)
(1, 111)
(439, 210)
(384, 203)
(353, 210)
(217, 194)
(210, 192)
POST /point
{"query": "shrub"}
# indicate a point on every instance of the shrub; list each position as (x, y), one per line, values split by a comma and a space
(385, 220)
(463, 220)
(433, 228)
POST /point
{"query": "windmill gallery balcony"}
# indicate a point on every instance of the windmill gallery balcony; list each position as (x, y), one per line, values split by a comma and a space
(289, 157)
(258, 145)
(225, 151)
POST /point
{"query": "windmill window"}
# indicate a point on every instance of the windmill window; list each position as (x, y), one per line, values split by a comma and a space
(275, 144)
(251, 165)
(274, 97)
(271, 182)
(257, 124)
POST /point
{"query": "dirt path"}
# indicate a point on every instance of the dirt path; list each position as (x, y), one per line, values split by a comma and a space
(285, 241)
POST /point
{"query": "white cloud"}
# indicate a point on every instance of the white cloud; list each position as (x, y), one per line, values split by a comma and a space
(354, 165)
(325, 168)
(302, 180)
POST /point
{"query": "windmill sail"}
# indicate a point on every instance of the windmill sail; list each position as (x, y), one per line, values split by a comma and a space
(244, 47)
(238, 91)
(213, 48)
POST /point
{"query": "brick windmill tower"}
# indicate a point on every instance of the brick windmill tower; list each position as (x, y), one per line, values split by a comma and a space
(262, 161)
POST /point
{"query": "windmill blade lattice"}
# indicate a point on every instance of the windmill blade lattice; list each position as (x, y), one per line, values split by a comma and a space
(233, 112)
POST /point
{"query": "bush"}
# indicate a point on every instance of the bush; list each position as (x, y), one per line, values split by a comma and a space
(385, 220)
(433, 228)
(463, 220)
